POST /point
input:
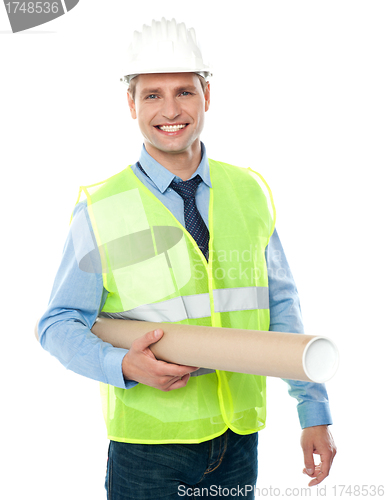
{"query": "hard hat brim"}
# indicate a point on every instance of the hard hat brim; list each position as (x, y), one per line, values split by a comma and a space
(204, 73)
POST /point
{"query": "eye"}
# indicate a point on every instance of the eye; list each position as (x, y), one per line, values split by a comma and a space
(151, 96)
(185, 93)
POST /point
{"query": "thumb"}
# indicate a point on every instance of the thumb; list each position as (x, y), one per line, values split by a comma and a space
(309, 461)
(146, 340)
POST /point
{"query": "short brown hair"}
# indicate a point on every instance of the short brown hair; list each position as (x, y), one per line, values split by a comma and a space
(132, 84)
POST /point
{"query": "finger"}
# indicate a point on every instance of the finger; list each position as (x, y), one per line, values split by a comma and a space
(324, 466)
(142, 343)
(316, 471)
(309, 460)
(173, 370)
(320, 477)
(179, 382)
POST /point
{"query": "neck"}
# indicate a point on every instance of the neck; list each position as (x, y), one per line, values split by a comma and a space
(183, 164)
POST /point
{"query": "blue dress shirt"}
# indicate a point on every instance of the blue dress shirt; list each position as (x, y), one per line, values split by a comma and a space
(77, 298)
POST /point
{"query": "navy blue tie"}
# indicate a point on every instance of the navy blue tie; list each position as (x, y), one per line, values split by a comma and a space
(193, 220)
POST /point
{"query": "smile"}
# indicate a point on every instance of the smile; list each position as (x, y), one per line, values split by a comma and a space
(171, 128)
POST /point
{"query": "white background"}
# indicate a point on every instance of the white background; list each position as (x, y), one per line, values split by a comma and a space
(299, 95)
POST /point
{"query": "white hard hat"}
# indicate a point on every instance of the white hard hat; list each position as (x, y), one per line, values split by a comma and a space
(165, 47)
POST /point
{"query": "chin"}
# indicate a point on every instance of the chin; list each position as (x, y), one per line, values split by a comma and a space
(172, 149)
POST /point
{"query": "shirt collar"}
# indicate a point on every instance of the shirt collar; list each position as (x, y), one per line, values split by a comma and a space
(162, 177)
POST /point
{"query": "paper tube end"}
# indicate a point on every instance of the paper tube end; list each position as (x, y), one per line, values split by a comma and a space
(320, 359)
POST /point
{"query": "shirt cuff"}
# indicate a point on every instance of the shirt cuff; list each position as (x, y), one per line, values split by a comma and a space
(113, 369)
(313, 413)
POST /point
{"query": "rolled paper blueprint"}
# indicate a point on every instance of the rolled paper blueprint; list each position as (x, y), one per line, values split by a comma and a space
(274, 354)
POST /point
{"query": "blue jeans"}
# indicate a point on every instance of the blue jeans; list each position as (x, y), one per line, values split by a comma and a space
(223, 467)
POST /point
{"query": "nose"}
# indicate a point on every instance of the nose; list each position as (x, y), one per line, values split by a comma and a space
(171, 108)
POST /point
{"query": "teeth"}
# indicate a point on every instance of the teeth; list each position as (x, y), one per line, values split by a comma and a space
(172, 128)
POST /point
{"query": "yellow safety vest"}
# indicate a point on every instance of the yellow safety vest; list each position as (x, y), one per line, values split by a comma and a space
(154, 271)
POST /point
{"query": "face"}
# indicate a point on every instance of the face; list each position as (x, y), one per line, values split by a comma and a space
(170, 109)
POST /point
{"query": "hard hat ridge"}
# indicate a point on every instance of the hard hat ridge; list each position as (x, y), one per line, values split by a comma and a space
(165, 47)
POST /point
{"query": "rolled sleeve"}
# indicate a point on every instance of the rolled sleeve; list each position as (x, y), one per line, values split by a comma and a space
(313, 406)
(76, 299)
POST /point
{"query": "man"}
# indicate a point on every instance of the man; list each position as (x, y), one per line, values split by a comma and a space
(141, 249)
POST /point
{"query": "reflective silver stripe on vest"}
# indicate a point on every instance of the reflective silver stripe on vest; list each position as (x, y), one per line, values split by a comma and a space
(172, 310)
(241, 299)
(198, 306)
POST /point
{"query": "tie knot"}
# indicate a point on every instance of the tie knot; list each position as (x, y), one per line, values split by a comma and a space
(186, 189)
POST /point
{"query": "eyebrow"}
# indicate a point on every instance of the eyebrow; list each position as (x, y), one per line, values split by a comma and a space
(183, 88)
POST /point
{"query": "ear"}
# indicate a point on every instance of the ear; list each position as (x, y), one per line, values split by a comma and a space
(131, 106)
(207, 96)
